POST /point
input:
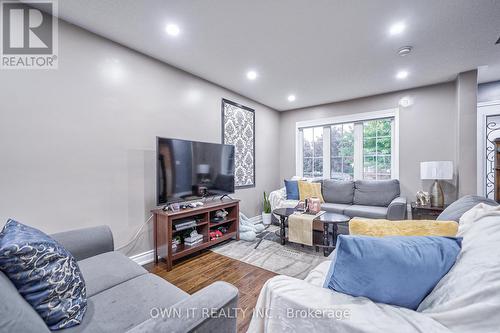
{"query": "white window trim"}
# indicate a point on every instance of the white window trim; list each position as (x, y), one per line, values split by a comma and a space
(352, 118)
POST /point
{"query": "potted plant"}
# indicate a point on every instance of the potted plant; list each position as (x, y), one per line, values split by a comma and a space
(266, 213)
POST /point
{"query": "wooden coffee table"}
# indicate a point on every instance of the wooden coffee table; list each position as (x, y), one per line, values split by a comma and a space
(333, 219)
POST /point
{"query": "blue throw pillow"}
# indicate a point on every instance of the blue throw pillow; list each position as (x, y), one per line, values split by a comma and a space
(292, 189)
(44, 273)
(399, 270)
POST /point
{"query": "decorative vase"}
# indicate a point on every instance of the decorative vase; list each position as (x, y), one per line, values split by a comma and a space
(266, 218)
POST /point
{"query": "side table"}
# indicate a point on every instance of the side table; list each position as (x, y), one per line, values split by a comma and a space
(427, 212)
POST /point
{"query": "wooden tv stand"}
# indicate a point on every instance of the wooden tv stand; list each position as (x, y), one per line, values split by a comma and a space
(164, 230)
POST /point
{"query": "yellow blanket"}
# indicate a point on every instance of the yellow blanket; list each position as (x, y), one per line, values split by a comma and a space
(380, 228)
(300, 228)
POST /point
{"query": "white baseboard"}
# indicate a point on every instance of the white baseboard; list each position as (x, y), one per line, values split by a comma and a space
(144, 258)
(148, 256)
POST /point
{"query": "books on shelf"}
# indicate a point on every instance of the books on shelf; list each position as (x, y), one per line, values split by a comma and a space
(185, 224)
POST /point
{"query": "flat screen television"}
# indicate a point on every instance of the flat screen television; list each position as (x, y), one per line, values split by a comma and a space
(191, 170)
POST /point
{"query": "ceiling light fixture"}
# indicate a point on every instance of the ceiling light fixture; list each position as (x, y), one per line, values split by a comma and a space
(397, 28)
(251, 75)
(291, 98)
(402, 75)
(172, 30)
(405, 50)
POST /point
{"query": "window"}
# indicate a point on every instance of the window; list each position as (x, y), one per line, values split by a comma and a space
(312, 162)
(362, 146)
(342, 151)
(377, 149)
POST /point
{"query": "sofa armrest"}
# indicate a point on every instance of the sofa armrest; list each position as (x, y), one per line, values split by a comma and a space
(87, 242)
(397, 209)
(277, 197)
(211, 309)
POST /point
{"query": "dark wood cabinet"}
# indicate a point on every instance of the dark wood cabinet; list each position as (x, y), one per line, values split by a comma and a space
(164, 230)
(427, 212)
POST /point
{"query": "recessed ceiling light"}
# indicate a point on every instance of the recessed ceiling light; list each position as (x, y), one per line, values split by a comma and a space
(251, 75)
(172, 29)
(402, 75)
(397, 28)
(291, 98)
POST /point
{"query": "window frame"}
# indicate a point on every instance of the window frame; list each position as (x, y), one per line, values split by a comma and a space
(358, 120)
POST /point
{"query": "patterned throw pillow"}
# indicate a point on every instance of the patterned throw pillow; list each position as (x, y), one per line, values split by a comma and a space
(44, 273)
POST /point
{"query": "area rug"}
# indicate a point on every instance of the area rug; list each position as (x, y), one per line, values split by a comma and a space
(290, 259)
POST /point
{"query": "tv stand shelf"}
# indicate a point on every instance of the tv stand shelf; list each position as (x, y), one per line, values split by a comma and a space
(163, 229)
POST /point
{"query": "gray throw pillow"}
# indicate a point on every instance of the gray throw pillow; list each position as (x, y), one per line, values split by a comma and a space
(455, 211)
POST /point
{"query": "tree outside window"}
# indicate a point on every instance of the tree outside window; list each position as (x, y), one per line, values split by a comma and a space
(342, 151)
(312, 152)
(377, 149)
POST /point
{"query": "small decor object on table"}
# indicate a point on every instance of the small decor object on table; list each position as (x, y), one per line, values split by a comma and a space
(238, 129)
(425, 212)
(266, 213)
(313, 205)
(423, 198)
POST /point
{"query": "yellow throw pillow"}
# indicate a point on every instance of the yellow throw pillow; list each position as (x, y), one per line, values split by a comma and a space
(310, 190)
(380, 228)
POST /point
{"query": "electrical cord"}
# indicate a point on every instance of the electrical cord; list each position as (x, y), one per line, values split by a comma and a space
(133, 239)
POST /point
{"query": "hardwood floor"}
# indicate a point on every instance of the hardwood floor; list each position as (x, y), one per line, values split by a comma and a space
(198, 272)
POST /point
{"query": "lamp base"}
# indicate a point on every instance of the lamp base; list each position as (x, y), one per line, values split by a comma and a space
(437, 197)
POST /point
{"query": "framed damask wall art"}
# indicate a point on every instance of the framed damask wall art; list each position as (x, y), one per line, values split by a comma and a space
(238, 129)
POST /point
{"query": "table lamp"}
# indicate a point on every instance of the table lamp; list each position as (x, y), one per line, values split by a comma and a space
(436, 170)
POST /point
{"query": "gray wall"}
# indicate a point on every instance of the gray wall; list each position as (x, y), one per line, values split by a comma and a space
(77, 144)
(427, 131)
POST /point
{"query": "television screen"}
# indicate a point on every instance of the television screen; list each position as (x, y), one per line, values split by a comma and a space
(190, 170)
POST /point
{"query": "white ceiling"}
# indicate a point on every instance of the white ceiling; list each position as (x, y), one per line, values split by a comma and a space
(322, 51)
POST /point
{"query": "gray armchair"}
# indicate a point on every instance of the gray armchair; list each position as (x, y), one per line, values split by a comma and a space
(123, 297)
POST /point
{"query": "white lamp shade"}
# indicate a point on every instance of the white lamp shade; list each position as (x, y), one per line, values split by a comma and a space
(436, 170)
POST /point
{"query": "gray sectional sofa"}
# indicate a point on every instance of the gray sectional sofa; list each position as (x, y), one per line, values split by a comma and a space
(377, 199)
(123, 296)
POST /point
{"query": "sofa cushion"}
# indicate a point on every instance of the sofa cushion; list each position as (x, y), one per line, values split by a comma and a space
(106, 270)
(16, 315)
(371, 212)
(128, 304)
(361, 267)
(334, 207)
(338, 191)
(44, 273)
(375, 192)
(454, 211)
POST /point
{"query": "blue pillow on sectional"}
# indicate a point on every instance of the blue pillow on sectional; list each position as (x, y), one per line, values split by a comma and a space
(400, 270)
(292, 189)
(44, 273)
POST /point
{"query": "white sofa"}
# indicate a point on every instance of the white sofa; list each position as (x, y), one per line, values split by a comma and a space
(467, 299)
